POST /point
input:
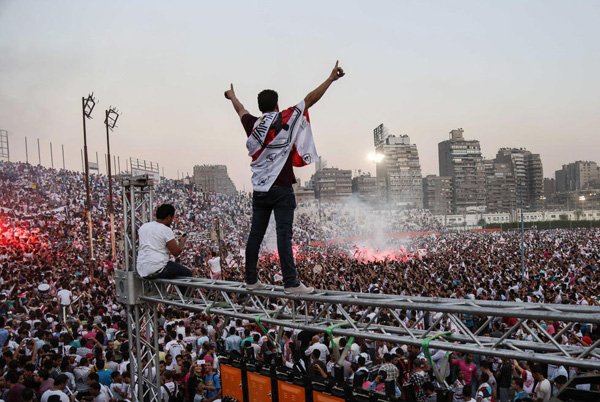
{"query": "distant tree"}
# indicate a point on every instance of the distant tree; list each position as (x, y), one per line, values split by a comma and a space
(481, 222)
(563, 217)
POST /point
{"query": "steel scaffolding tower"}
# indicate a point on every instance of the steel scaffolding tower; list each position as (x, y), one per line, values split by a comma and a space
(437, 323)
(141, 316)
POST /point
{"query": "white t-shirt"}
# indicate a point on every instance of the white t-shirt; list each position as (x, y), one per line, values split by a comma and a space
(215, 265)
(174, 348)
(50, 392)
(65, 296)
(153, 253)
(543, 390)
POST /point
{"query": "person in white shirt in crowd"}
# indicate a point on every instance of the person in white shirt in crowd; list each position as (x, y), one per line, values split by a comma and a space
(316, 344)
(543, 388)
(60, 383)
(64, 297)
(215, 266)
(169, 387)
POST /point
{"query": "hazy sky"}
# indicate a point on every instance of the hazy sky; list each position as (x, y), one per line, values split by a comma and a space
(510, 73)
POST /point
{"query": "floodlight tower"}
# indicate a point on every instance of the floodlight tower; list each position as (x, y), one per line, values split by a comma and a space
(87, 105)
(110, 121)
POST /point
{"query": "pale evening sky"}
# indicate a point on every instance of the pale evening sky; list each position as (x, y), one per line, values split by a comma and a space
(510, 73)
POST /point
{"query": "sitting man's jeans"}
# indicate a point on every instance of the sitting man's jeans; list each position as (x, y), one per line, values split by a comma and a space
(281, 201)
(170, 271)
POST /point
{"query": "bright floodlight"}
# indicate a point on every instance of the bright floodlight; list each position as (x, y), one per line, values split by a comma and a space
(375, 157)
(582, 198)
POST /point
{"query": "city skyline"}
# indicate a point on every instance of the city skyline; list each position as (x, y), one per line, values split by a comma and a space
(511, 74)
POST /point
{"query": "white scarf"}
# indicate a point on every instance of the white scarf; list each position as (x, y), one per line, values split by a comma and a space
(273, 137)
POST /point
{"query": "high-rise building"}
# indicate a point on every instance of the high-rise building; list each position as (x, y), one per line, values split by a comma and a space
(399, 172)
(549, 187)
(332, 184)
(527, 172)
(461, 160)
(365, 187)
(500, 185)
(213, 179)
(437, 194)
(580, 175)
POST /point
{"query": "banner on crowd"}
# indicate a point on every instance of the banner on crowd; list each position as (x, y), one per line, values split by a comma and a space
(21, 215)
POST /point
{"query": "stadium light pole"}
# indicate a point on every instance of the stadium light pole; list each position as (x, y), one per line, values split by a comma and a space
(112, 114)
(87, 105)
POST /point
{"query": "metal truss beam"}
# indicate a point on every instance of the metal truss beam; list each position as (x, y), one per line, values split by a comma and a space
(320, 311)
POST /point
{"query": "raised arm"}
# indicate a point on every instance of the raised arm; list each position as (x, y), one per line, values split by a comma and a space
(314, 96)
(237, 105)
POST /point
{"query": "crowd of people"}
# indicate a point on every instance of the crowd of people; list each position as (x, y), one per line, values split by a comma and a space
(63, 334)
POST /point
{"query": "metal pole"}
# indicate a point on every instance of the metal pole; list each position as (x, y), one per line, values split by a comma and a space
(51, 157)
(63, 154)
(119, 162)
(522, 236)
(26, 152)
(110, 196)
(39, 153)
(568, 211)
(87, 192)
(82, 166)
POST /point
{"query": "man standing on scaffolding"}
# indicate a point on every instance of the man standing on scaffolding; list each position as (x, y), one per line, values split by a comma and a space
(276, 142)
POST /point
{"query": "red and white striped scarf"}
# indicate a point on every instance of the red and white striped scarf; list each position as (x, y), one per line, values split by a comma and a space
(273, 137)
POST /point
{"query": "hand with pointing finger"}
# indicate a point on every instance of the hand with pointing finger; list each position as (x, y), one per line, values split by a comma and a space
(230, 94)
(336, 73)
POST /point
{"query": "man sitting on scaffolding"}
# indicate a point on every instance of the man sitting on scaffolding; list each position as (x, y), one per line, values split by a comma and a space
(156, 244)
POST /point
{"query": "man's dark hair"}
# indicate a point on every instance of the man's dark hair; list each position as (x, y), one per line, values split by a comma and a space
(518, 381)
(164, 211)
(61, 379)
(95, 386)
(27, 394)
(12, 377)
(267, 100)
(561, 379)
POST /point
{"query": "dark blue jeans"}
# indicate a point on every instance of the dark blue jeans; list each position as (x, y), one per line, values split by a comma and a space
(173, 270)
(281, 201)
